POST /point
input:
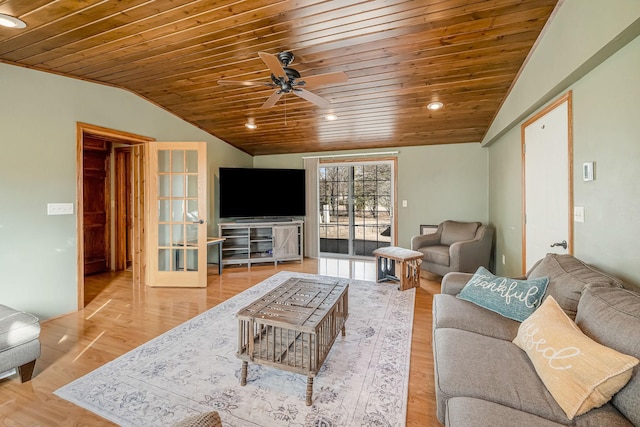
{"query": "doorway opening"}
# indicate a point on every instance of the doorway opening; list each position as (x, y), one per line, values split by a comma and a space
(357, 202)
(110, 200)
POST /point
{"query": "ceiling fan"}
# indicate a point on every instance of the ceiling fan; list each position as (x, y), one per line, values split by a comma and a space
(287, 80)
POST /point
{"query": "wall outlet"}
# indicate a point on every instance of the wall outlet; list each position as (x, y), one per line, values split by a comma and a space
(59, 208)
(404, 203)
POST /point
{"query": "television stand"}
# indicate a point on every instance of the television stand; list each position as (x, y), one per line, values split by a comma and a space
(268, 240)
(258, 220)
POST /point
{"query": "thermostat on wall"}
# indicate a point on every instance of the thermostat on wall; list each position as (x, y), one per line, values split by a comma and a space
(587, 171)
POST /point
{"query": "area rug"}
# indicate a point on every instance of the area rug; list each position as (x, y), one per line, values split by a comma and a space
(193, 369)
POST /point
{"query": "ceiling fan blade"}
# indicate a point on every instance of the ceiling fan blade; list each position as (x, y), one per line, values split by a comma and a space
(243, 83)
(272, 100)
(273, 63)
(324, 79)
(312, 97)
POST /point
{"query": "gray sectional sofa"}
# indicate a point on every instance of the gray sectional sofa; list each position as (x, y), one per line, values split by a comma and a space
(484, 379)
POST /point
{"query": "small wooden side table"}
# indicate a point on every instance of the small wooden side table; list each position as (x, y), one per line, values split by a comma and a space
(408, 266)
(217, 241)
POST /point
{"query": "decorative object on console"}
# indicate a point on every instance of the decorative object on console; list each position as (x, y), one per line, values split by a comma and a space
(511, 298)
(580, 373)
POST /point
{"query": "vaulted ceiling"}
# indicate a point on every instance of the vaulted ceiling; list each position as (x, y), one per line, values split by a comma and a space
(398, 55)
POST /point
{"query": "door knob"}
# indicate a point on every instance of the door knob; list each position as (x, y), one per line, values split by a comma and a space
(563, 244)
(200, 221)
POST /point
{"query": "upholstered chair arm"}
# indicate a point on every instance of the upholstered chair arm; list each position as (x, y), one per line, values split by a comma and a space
(423, 240)
(466, 256)
(452, 283)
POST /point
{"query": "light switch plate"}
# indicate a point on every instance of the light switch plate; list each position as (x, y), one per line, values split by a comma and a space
(578, 213)
(59, 208)
(587, 171)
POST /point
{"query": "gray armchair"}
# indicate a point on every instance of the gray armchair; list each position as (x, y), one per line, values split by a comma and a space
(456, 246)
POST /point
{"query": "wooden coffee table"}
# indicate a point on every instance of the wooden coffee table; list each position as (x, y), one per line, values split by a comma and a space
(293, 326)
(408, 268)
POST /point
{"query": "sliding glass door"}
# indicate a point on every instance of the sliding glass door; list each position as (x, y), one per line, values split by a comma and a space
(356, 203)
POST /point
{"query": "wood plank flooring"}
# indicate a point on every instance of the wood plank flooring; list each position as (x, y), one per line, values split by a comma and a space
(120, 316)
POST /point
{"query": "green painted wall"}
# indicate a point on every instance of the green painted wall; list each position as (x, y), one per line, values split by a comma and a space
(600, 64)
(438, 182)
(38, 116)
(590, 47)
(606, 116)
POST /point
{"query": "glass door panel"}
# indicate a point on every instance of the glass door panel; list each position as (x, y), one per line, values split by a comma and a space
(178, 188)
(356, 204)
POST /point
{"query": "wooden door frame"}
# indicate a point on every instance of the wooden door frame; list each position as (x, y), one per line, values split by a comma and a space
(567, 97)
(122, 168)
(83, 129)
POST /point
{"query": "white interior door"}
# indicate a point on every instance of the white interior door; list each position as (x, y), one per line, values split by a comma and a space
(177, 229)
(546, 151)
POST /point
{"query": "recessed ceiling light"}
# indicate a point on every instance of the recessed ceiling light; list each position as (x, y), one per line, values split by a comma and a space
(251, 125)
(11, 22)
(435, 105)
(331, 117)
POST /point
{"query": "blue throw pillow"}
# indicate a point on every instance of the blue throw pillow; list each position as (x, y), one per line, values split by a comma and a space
(512, 298)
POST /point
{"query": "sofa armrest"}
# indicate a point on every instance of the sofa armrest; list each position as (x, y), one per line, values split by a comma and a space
(452, 283)
(423, 240)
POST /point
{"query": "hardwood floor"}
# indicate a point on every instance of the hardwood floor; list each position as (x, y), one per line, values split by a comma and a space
(121, 316)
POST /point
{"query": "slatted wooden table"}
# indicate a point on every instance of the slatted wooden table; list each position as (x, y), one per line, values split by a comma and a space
(408, 260)
(293, 326)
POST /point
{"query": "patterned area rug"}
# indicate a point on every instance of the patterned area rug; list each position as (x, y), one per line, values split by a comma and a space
(193, 369)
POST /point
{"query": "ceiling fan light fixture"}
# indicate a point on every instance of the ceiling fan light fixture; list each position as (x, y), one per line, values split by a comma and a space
(331, 117)
(251, 125)
(436, 105)
(11, 21)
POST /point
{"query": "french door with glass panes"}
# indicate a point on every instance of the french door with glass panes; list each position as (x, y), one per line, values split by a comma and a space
(356, 202)
(177, 229)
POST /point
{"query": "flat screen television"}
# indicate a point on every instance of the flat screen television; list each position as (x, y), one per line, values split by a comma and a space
(261, 193)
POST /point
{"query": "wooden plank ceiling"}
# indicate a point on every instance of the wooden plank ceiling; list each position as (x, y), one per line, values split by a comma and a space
(399, 55)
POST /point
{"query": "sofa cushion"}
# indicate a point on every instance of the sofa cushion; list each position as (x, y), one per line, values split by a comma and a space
(437, 254)
(17, 327)
(452, 312)
(474, 365)
(567, 277)
(471, 412)
(580, 373)
(611, 316)
(454, 231)
(511, 298)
